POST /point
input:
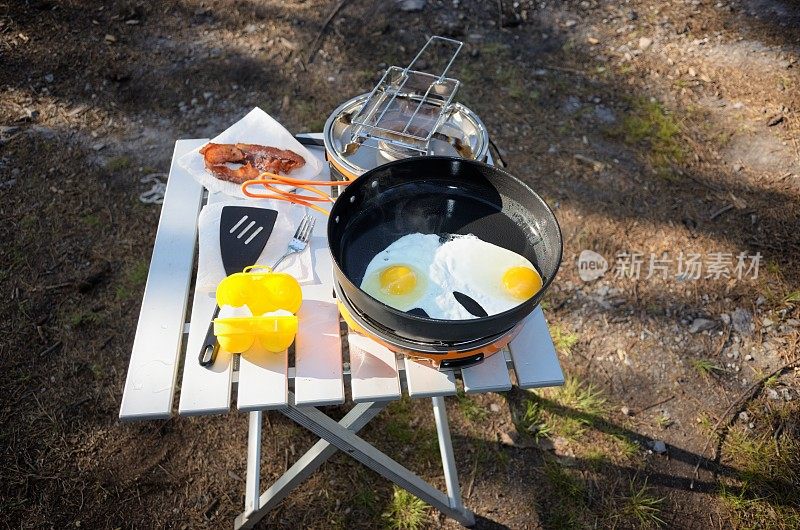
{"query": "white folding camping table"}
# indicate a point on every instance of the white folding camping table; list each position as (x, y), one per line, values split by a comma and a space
(262, 382)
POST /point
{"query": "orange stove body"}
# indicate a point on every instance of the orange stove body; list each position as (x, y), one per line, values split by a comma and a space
(434, 357)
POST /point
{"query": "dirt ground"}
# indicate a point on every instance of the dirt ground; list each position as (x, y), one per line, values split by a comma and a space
(653, 128)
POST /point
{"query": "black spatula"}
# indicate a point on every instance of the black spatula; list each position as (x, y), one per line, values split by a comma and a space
(243, 234)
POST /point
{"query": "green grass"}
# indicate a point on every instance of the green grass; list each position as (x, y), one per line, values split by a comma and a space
(794, 296)
(119, 163)
(365, 499)
(92, 221)
(764, 489)
(656, 131)
(568, 507)
(472, 411)
(643, 507)
(706, 367)
(405, 511)
(533, 421)
(664, 420)
(134, 278)
(563, 339)
(542, 417)
(746, 509)
(83, 317)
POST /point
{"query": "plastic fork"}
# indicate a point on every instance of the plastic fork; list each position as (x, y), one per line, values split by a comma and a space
(300, 240)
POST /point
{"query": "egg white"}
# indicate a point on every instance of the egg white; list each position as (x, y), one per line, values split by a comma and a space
(464, 264)
(469, 265)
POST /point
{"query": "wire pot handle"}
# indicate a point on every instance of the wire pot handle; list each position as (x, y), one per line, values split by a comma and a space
(269, 180)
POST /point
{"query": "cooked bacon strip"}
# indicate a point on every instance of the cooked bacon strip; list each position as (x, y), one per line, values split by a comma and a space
(254, 158)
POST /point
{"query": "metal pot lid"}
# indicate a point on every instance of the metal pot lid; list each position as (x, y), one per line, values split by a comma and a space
(461, 133)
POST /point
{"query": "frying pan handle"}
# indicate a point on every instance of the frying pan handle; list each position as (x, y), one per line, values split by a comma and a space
(210, 347)
(313, 142)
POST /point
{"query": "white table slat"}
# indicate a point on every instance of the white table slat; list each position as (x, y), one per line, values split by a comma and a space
(262, 380)
(373, 370)
(204, 390)
(150, 384)
(490, 375)
(423, 380)
(318, 346)
(534, 356)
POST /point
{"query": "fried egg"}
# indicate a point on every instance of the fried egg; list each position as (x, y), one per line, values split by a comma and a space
(418, 271)
(496, 278)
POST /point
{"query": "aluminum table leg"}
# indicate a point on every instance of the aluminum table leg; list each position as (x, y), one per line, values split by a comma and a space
(328, 429)
(306, 465)
(252, 489)
(446, 449)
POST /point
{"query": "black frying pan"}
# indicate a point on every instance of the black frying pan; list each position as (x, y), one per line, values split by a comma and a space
(439, 195)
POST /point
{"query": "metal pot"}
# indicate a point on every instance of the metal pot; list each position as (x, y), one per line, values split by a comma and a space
(461, 133)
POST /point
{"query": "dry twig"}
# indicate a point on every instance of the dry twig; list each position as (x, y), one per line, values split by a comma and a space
(323, 29)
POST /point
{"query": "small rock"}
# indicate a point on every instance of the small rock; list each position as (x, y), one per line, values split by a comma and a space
(110, 38)
(411, 6)
(786, 394)
(595, 164)
(604, 114)
(701, 324)
(625, 411)
(509, 438)
(742, 320)
(744, 416)
(250, 28)
(98, 146)
(738, 105)
(773, 394)
(570, 23)
(561, 447)
(30, 115)
(658, 446)
(692, 72)
(592, 40)
(748, 357)
(726, 319)
(737, 167)
(766, 322)
(572, 105)
(132, 22)
(645, 43)
(494, 407)
(48, 78)
(775, 120)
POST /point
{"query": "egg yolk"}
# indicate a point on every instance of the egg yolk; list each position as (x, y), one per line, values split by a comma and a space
(522, 282)
(398, 280)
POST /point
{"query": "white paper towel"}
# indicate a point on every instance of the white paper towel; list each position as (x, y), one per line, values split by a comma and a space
(210, 270)
(257, 127)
